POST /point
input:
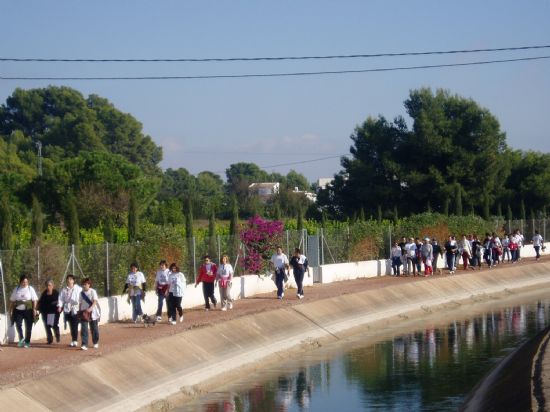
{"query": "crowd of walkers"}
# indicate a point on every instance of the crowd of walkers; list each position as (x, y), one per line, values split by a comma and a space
(469, 250)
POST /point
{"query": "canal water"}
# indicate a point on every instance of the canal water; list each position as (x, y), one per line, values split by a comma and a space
(430, 369)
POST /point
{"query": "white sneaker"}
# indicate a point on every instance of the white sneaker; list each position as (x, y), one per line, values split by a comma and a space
(181, 319)
(224, 308)
(172, 322)
(159, 318)
(230, 305)
(72, 344)
(84, 347)
(96, 345)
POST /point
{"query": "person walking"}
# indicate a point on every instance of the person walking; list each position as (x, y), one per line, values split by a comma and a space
(427, 256)
(23, 301)
(279, 262)
(465, 249)
(47, 306)
(68, 304)
(450, 253)
(396, 253)
(176, 290)
(538, 242)
(161, 286)
(207, 275)
(300, 266)
(135, 285)
(89, 314)
(224, 277)
(437, 252)
(410, 250)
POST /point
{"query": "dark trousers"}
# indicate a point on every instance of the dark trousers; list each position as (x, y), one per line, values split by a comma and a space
(136, 306)
(280, 282)
(84, 331)
(174, 303)
(161, 298)
(72, 320)
(537, 251)
(27, 316)
(49, 328)
(396, 265)
(208, 292)
(299, 278)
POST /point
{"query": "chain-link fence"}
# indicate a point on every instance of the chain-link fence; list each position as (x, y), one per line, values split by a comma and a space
(107, 264)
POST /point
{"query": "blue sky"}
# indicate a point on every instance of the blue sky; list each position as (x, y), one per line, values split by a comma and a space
(209, 124)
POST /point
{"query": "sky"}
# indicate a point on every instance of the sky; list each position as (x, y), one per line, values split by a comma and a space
(208, 124)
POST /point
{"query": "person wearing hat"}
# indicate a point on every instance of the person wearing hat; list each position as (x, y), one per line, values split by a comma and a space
(427, 255)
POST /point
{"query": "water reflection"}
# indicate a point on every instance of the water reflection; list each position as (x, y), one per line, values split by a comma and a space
(432, 369)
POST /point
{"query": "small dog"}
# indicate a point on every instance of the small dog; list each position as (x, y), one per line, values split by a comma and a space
(149, 320)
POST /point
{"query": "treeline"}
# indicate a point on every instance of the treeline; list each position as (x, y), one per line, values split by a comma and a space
(78, 163)
(453, 159)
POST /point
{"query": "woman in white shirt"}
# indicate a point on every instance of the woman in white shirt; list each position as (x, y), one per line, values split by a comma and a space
(177, 283)
(224, 276)
(88, 302)
(23, 302)
(68, 303)
(135, 284)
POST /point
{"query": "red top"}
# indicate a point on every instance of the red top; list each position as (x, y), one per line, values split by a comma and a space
(204, 276)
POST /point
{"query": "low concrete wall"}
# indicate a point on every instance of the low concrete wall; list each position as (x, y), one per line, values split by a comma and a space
(116, 308)
(175, 364)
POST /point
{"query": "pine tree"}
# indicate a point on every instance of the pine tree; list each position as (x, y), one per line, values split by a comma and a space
(189, 219)
(132, 219)
(6, 238)
(37, 224)
(74, 224)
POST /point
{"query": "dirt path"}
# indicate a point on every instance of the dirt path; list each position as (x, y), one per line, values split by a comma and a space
(18, 364)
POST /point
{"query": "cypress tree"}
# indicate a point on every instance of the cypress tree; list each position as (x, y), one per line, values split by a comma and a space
(509, 215)
(37, 224)
(6, 239)
(458, 199)
(189, 219)
(544, 211)
(499, 210)
(522, 213)
(531, 213)
(212, 244)
(379, 213)
(277, 211)
(324, 219)
(486, 208)
(395, 213)
(108, 231)
(74, 225)
(300, 220)
(429, 207)
(132, 219)
(446, 203)
(234, 220)
(362, 215)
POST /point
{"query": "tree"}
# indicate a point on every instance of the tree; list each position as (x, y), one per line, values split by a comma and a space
(296, 180)
(458, 200)
(509, 215)
(522, 214)
(300, 220)
(212, 244)
(37, 222)
(132, 218)
(6, 234)
(108, 231)
(189, 219)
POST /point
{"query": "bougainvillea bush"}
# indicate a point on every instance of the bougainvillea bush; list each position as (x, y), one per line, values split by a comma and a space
(260, 239)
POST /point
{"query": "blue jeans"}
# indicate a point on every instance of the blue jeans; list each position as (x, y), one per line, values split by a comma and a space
(396, 265)
(161, 298)
(136, 306)
(84, 332)
(280, 281)
(450, 261)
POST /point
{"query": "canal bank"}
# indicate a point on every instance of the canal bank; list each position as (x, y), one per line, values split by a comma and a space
(193, 362)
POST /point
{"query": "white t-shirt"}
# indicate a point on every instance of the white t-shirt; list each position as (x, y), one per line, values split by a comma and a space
(161, 278)
(68, 299)
(225, 271)
(177, 284)
(134, 279)
(92, 295)
(410, 250)
(396, 252)
(25, 294)
(537, 240)
(279, 261)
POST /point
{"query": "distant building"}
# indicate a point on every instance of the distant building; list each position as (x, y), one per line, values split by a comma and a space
(309, 195)
(323, 182)
(264, 191)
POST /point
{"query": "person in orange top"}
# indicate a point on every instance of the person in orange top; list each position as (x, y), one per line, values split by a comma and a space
(207, 275)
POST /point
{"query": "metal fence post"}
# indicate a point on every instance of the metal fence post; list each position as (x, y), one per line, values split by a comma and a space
(38, 265)
(219, 249)
(107, 283)
(389, 236)
(287, 246)
(322, 240)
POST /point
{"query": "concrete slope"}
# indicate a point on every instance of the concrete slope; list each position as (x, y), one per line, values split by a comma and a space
(136, 377)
